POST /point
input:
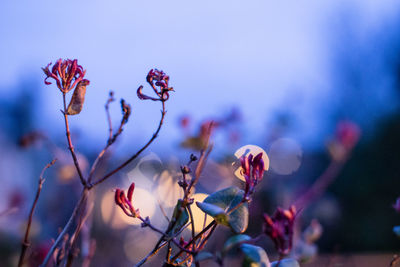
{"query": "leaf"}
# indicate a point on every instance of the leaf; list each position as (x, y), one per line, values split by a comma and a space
(203, 255)
(227, 199)
(179, 218)
(285, 263)
(214, 211)
(255, 256)
(235, 240)
(78, 97)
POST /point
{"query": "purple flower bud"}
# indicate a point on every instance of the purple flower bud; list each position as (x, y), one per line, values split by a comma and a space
(279, 228)
(253, 171)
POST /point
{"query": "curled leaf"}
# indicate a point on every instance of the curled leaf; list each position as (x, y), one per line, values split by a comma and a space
(78, 97)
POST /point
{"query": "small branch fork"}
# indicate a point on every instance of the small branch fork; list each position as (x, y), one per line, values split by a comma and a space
(25, 243)
(87, 185)
(198, 241)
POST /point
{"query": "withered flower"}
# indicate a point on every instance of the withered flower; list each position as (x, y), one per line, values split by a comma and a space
(279, 228)
(158, 80)
(125, 202)
(253, 171)
(67, 74)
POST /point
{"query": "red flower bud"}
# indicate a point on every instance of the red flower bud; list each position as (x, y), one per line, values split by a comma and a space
(125, 203)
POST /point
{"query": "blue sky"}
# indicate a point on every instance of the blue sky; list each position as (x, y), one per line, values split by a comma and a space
(258, 55)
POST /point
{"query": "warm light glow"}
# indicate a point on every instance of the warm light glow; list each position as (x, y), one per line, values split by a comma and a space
(168, 191)
(198, 214)
(285, 155)
(112, 214)
(247, 150)
(116, 218)
(134, 247)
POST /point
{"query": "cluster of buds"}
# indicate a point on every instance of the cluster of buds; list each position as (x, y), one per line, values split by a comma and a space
(67, 74)
(253, 172)
(158, 80)
(279, 228)
(346, 137)
(125, 202)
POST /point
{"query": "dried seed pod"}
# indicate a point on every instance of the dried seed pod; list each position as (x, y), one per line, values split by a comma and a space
(78, 97)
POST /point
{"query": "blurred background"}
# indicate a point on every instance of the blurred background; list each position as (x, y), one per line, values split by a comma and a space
(280, 76)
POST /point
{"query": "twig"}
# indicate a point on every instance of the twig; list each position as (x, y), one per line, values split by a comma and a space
(112, 138)
(82, 220)
(8, 211)
(107, 108)
(320, 185)
(70, 146)
(194, 239)
(158, 247)
(66, 227)
(147, 223)
(25, 242)
(163, 112)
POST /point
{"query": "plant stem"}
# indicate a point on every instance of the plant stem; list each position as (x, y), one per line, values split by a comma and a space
(320, 185)
(163, 112)
(70, 146)
(25, 242)
(66, 227)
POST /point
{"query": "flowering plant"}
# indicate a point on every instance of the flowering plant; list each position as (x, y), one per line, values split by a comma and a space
(228, 207)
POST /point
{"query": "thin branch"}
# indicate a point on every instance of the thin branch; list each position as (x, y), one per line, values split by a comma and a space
(320, 185)
(25, 242)
(158, 247)
(80, 203)
(151, 254)
(70, 146)
(192, 223)
(146, 223)
(107, 108)
(110, 140)
(82, 220)
(163, 112)
(194, 239)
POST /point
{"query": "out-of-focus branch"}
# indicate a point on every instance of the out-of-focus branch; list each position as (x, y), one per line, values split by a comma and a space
(78, 206)
(25, 242)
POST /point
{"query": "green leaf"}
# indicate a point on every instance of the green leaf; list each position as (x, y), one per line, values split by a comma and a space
(254, 256)
(235, 240)
(214, 211)
(286, 263)
(227, 199)
(203, 255)
(179, 218)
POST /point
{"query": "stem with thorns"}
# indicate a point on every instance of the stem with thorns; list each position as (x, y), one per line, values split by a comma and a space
(25, 242)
